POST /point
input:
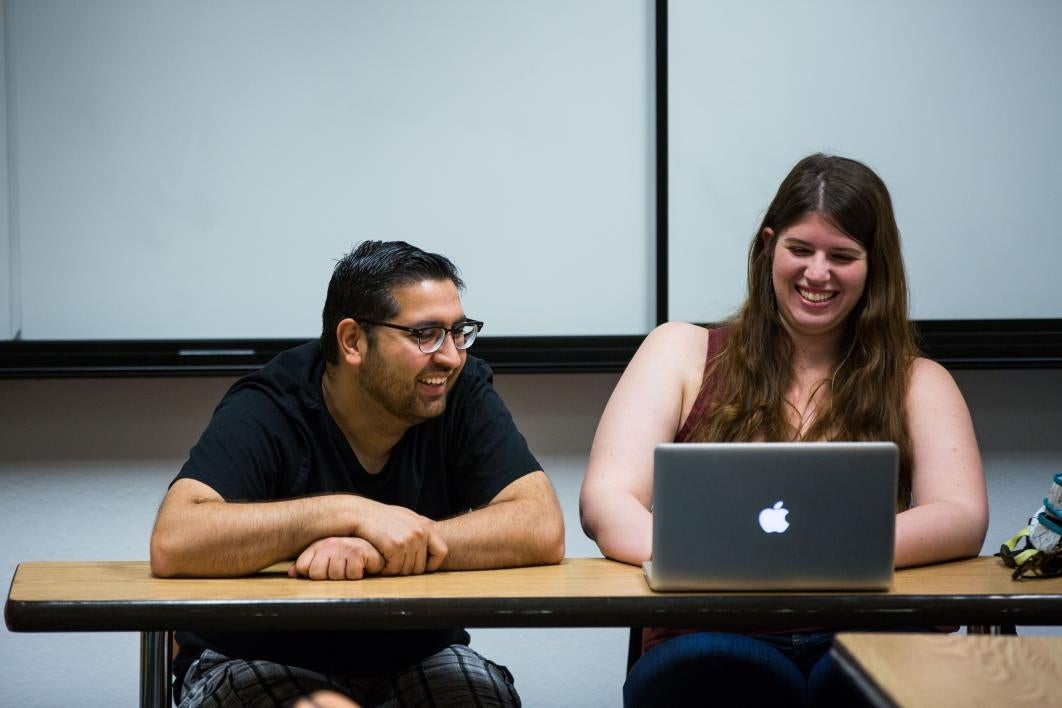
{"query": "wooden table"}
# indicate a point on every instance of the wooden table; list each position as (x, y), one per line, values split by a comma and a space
(581, 592)
(914, 670)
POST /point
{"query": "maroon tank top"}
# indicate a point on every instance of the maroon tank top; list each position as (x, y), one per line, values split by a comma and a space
(716, 339)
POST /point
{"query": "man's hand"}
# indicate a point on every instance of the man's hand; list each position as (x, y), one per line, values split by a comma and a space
(409, 543)
(337, 558)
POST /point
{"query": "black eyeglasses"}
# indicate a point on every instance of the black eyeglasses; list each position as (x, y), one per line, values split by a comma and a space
(430, 339)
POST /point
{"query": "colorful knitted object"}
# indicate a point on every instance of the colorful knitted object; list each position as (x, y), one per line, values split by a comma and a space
(1036, 550)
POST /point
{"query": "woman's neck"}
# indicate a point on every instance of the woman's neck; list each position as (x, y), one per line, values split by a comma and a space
(814, 360)
(814, 357)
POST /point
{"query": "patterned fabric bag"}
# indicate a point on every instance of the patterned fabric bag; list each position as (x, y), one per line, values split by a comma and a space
(1036, 550)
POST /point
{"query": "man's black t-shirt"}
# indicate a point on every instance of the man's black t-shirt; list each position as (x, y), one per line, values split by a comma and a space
(272, 437)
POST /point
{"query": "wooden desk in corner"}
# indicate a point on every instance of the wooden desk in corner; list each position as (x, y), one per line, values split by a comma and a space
(915, 670)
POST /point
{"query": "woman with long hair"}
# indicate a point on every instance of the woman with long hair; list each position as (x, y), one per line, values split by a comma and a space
(822, 349)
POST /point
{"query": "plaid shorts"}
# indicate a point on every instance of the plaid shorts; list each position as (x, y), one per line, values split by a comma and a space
(455, 676)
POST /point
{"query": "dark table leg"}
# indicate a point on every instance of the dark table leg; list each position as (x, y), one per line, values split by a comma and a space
(155, 658)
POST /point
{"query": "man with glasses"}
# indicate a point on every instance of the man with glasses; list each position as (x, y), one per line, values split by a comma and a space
(381, 449)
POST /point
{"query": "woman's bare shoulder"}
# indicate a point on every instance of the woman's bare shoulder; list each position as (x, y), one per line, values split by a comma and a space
(926, 372)
(678, 341)
(675, 351)
(930, 385)
(680, 331)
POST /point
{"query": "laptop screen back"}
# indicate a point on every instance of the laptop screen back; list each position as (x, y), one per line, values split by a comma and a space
(774, 516)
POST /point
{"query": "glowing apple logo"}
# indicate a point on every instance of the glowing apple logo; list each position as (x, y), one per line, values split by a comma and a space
(772, 519)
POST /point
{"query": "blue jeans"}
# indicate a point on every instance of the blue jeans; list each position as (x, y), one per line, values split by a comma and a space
(721, 668)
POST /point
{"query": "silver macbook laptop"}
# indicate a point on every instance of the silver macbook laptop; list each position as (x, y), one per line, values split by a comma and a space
(773, 516)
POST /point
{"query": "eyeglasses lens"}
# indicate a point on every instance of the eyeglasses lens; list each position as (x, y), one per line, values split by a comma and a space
(465, 335)
(432, 338)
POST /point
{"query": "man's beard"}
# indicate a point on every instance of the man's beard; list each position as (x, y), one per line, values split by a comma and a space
(397, 397)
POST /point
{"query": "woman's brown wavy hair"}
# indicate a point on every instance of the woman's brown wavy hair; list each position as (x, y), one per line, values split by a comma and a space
(865, 394)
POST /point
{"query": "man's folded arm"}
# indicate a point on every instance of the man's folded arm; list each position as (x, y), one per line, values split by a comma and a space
(522, 525)
(199, 534)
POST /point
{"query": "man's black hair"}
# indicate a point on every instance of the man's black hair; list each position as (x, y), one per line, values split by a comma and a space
(363, 281)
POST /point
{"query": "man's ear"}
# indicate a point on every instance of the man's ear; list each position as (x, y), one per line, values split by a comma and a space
(351, 340)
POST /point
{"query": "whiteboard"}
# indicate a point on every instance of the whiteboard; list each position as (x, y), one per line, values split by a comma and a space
(192, 170)
(957, 104)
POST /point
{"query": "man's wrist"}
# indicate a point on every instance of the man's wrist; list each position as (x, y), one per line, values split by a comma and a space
(351, 511)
